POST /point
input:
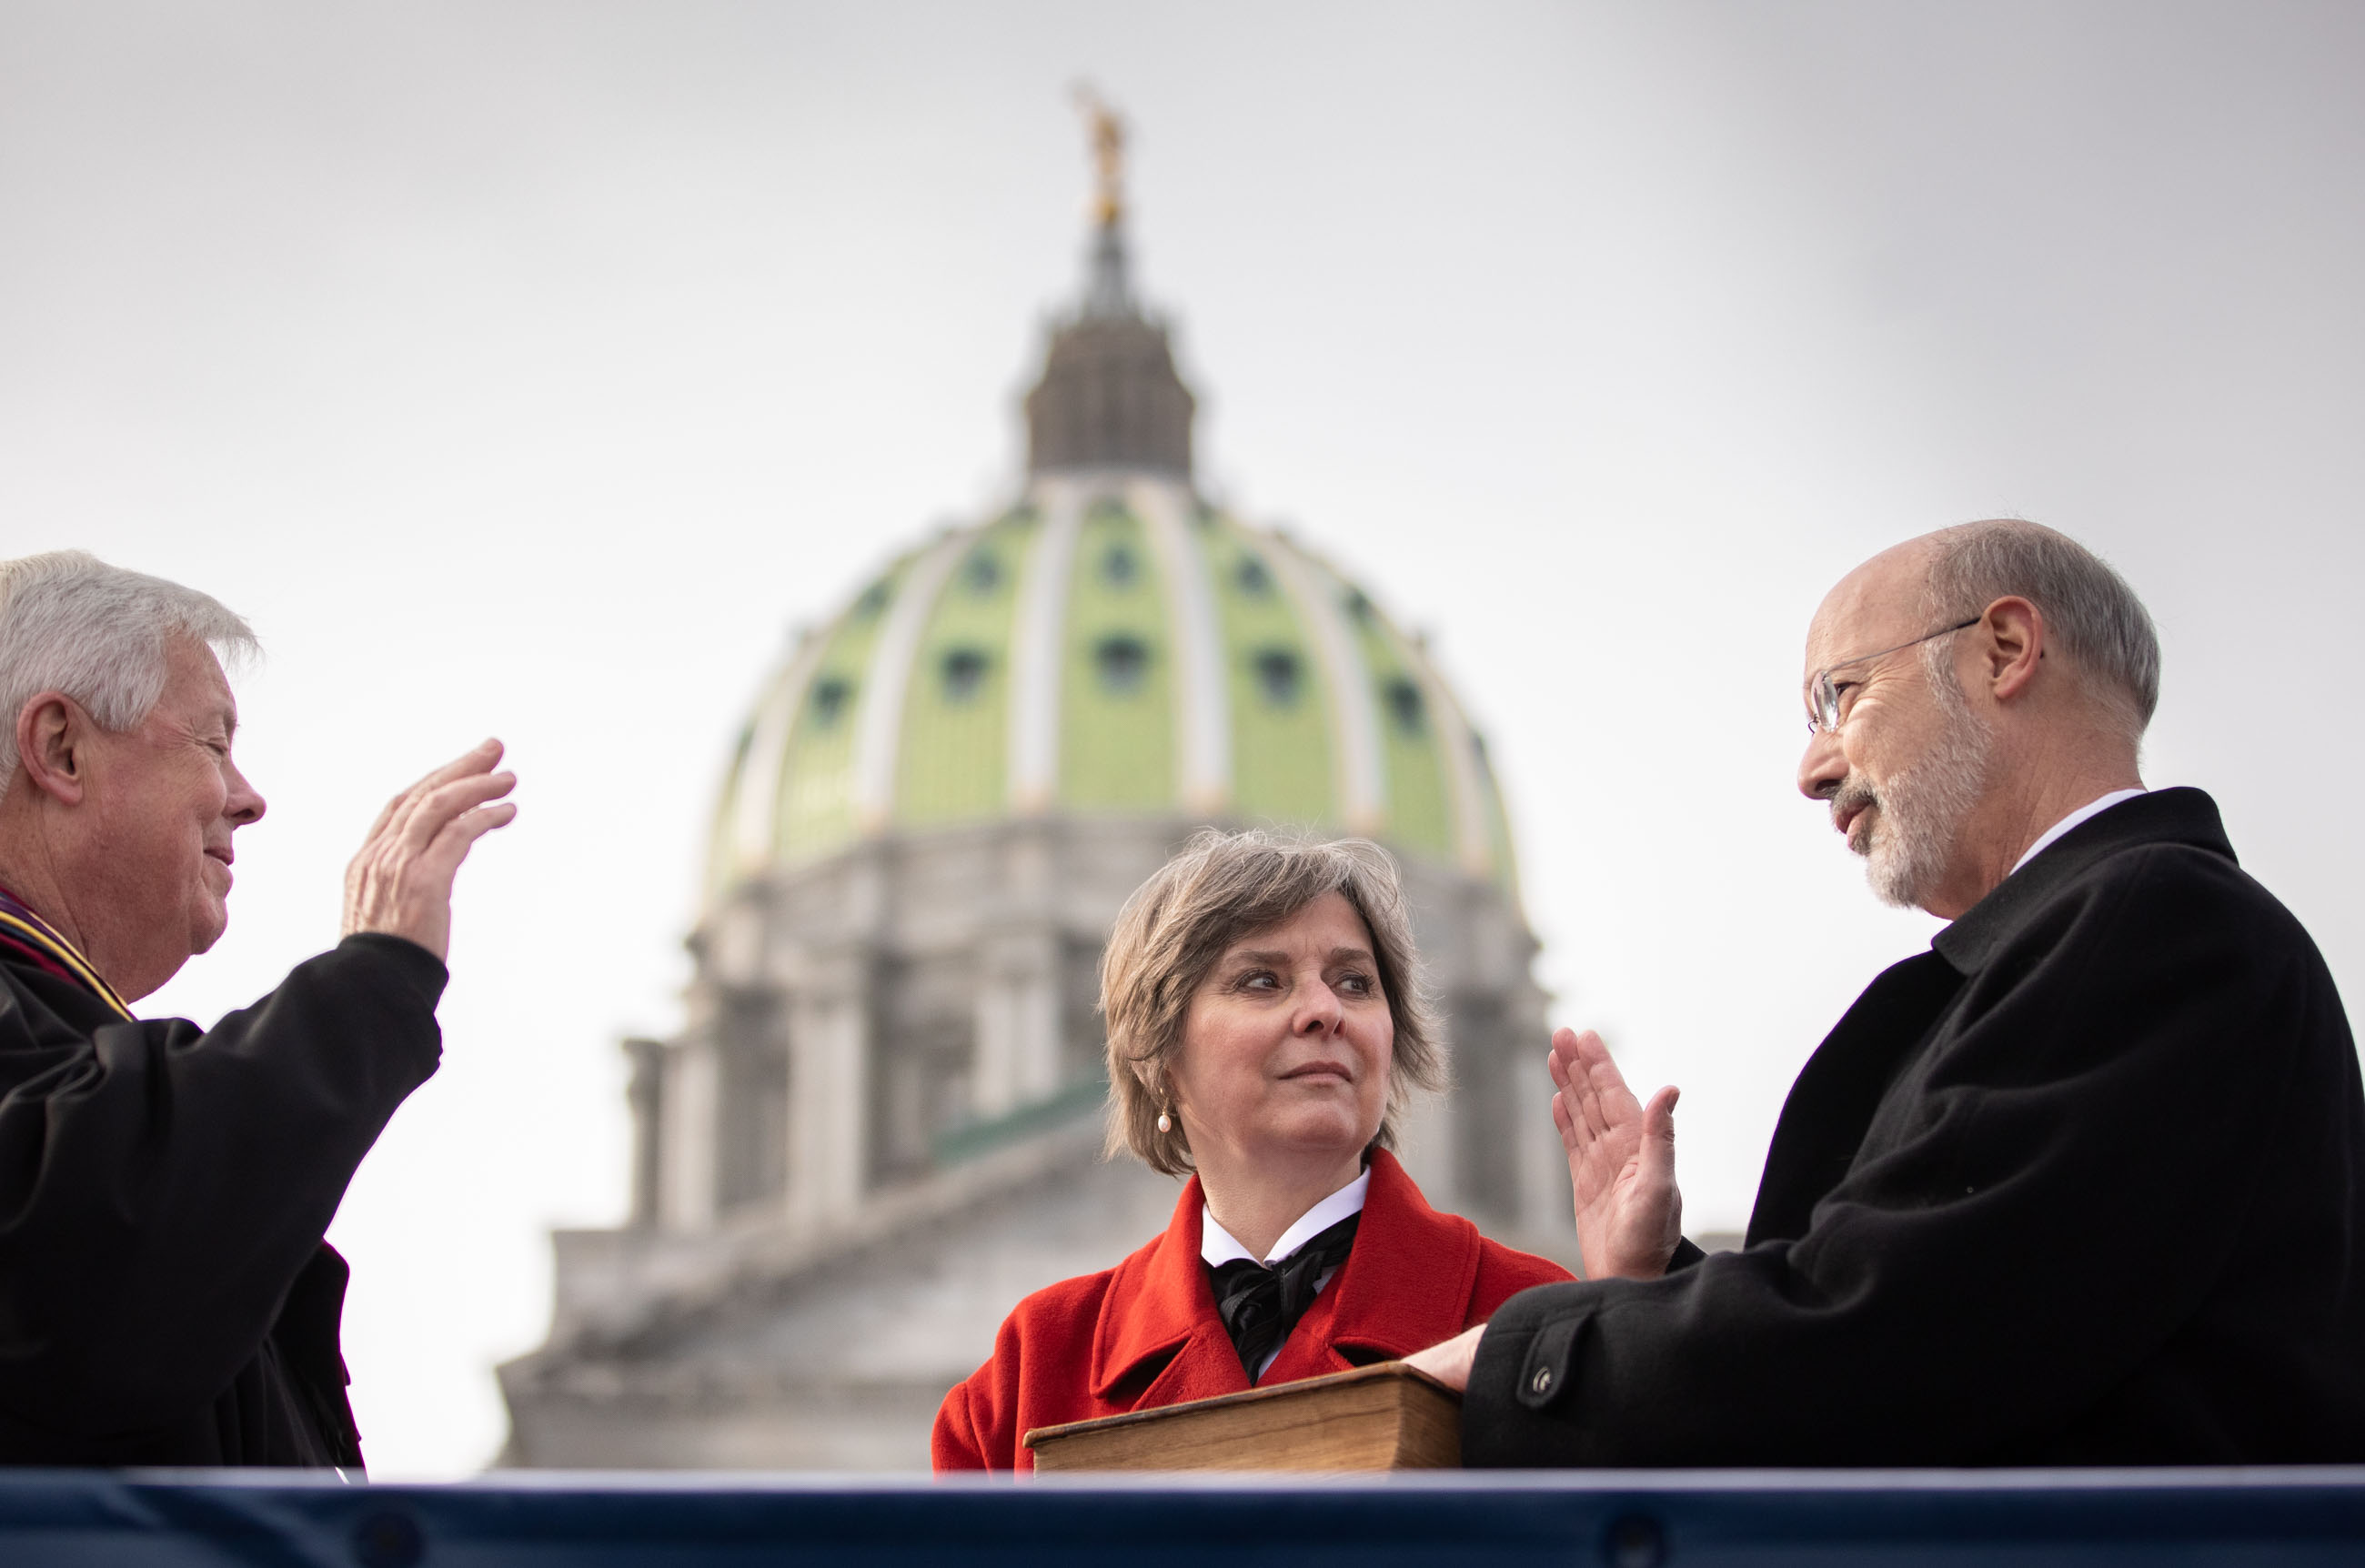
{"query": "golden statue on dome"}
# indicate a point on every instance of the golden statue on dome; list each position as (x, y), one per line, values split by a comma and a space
(1108, 156)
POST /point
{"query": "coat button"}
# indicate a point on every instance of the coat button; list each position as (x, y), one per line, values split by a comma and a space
(1542, 1382)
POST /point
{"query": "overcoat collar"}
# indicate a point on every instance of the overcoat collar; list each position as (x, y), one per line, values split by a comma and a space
(2163, 816)
(1405, 1286)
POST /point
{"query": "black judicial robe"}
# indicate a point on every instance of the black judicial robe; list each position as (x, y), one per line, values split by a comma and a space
(2084, 1184)
(165, 1296)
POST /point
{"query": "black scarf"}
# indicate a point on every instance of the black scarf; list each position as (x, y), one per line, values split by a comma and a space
(1260, 1305)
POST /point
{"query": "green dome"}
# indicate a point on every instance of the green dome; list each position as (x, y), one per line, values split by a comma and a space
(1109, 645)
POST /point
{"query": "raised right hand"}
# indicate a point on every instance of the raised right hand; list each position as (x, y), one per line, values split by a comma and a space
(401, 883)
(1622, 1161)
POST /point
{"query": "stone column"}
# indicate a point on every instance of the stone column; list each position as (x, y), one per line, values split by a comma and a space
(1018, 1045)
(829, 1088)
(643, 1095)
(686, 1098)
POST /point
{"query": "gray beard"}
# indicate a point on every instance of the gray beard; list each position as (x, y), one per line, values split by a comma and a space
(1919, 814)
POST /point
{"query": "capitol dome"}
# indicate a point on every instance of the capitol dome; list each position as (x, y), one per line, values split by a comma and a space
(1110, 643)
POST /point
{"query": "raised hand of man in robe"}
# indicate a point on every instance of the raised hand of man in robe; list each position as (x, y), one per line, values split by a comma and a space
(1622, 1169)
(400, 882)
(1622, 1161)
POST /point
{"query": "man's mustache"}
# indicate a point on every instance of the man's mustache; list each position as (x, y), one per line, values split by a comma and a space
(1853, 794)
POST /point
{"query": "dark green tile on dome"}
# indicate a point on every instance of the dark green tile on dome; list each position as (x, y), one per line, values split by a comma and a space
(815, 811)
(952, 762)
(1280, 701)
(1116, 690)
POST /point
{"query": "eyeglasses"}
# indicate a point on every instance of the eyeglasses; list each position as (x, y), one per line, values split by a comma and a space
(1823, 695)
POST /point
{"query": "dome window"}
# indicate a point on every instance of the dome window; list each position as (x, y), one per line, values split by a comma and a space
(1251, 576)
(1119, 566)
(1404, 704)
(1359, 607)
(964, 672)
(831, 696)
(873, 600)
(982, 573)
(1122, 663)
(1279, 675)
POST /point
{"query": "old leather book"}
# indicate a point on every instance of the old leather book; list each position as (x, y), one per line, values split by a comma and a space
(1386, 1417)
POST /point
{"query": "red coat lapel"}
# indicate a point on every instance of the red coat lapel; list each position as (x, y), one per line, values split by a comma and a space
(1157, 1302)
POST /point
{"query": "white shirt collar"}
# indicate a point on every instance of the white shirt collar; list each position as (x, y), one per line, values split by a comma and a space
(2090, 808)
(1217, 1245)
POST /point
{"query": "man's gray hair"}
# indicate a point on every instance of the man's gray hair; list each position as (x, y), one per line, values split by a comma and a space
(71, 622)
(2101, 626)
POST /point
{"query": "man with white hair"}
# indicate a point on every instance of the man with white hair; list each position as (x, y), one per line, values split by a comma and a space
(2082, 1185)
(165, 1294)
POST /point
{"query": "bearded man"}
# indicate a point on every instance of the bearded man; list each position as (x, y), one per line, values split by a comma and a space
(165, 1294)
(2083, 1184)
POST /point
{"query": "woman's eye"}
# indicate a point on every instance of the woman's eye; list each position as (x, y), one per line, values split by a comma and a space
(1259, 979)
(1355, 985)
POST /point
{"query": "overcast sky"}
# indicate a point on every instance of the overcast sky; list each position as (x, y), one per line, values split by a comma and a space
(532, 369)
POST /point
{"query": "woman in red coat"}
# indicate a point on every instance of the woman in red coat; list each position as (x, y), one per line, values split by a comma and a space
(1266, 1022)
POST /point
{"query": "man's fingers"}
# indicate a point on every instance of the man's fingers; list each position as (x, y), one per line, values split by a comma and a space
(1659, 1130)
(463, 830)
(477, 759)
(386, 816)
(441, 806)
(1602, 1075)
(1556, 1066)
(1565, 1122)
(1451, 1362)
(437, 862)
(1601, 1093)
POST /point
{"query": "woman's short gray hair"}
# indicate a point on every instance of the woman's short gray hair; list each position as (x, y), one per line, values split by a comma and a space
(1177, 924)
(2100, 624)
(71, 622)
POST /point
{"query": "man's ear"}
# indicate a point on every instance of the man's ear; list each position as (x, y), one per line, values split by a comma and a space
(53, 737)
(2013, 644)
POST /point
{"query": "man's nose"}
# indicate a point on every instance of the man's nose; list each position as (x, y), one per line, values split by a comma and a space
(246, 804)
(1823, 766)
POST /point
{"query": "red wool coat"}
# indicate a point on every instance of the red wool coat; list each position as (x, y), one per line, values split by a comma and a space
(1146, 1333)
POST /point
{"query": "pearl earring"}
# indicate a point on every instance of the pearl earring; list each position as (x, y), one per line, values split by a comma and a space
(1165, 1122)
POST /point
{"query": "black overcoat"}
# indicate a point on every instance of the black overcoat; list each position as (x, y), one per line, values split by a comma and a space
(165, 1296)
(2082, 1185)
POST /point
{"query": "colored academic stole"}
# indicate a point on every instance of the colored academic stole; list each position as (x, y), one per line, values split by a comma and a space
(27, 933)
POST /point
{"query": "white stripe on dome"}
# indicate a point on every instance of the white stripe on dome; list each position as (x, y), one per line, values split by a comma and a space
(1361, 783)
(1474, 837)
(889, 679)
(1203, 712)
(1036, 643)
(754, 816)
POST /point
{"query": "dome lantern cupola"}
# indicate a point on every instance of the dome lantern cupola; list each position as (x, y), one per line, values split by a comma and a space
(1110, 397)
